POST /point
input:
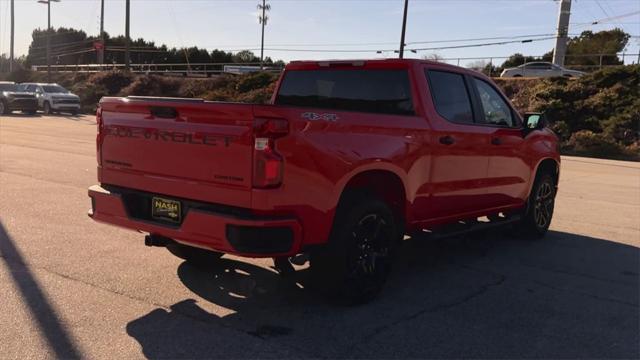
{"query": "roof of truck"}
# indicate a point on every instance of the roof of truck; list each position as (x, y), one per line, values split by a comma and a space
(394, 62)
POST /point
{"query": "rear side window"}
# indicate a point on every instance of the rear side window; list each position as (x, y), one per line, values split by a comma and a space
(373, 91)
(450, 96)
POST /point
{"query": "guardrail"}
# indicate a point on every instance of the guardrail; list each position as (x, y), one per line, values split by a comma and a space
(184, 69)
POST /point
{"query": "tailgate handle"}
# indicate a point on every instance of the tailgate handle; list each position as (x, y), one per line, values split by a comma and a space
(164, 112)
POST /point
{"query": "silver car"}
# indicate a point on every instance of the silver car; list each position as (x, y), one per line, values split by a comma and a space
(540, 69)
(53, 97)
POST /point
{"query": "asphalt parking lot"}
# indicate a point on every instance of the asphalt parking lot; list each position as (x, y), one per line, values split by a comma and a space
(70, 287)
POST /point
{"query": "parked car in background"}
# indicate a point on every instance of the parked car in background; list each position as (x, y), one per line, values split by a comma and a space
(540, 69)
(12, 98)
(53, 97)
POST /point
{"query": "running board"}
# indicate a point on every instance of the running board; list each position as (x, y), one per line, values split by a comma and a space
(462, 228)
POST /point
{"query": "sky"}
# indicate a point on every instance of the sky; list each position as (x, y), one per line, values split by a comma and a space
(324, 26)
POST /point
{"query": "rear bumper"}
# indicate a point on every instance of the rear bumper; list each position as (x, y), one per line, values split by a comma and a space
(219, 230)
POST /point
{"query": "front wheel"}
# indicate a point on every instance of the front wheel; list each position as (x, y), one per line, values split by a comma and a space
(355, 264)
(4, 109)
(540, 207)
(47, 108)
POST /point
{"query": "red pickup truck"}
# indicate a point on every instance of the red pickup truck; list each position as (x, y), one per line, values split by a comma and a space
(348, 158)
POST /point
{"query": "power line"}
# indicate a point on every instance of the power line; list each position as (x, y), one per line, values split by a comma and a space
(486, 44)
(67, 44)
(601, 8)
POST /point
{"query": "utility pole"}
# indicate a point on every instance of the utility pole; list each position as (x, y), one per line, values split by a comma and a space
(404, 28)
(127, 58)
(262, 19)
(101, 49)
(12, 36)
(560, 50)
(48, 2)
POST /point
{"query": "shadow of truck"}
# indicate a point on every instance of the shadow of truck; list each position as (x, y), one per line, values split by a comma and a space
(485, 296)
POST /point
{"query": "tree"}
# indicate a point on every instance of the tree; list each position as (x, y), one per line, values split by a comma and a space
(71, 47)
(221, 56)
(518, 59)
(245, 56)
(608, 42)
(68, 46)
(433, 57)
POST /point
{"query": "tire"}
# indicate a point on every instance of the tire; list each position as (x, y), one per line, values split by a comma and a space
(46, 107)
(355, 264)
(3, 108)
(196, 257)
(540, 207)
(74, 112)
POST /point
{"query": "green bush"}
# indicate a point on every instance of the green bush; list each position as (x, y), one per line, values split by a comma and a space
(588, 143)
(152, 86)
(113, 81)
(255, 81)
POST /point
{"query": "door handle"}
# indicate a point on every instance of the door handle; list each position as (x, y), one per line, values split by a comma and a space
(447, 140)
(496, 141)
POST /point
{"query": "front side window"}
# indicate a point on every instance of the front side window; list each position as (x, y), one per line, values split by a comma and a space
(495, 108)
(450, 96)
(373, 91)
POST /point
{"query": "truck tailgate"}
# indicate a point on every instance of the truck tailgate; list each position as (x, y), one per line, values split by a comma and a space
(186, 148)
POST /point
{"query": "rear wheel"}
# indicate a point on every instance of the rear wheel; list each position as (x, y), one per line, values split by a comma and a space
(355, 264)
(540, 207)
(198, 258)
(3, 107)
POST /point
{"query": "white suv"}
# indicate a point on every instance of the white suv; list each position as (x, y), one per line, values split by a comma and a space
(540, 69)
(53, 97)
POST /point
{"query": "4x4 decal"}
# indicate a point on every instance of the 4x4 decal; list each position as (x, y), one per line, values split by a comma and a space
(311, 116)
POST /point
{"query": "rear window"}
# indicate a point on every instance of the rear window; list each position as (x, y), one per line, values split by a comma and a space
(450, 96)
(373, 91)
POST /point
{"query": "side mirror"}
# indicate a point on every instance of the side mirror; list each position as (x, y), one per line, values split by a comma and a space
(534, 121)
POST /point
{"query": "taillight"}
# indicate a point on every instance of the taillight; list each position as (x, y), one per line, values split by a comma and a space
(98, 137)
(268, 165)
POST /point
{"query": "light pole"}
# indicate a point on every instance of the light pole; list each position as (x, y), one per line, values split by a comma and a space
(262, 19)
(48, 2)
(127, 40)
(101, 49)
(404, 28)
(12, 36)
